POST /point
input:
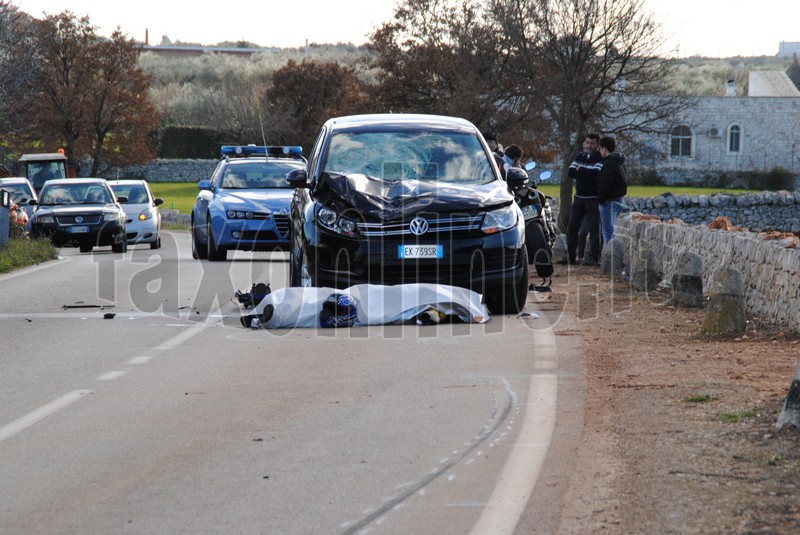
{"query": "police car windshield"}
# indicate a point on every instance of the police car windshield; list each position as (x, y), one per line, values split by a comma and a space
(263, 175)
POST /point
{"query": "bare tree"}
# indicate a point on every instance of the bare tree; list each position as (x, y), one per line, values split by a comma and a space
(439, 56)
(90, 96)
(120, 115)
(64, 69)
(297, 107)
(588, 65)
(445, 57)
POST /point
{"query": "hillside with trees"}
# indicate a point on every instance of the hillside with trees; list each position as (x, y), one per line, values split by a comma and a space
(538, 73)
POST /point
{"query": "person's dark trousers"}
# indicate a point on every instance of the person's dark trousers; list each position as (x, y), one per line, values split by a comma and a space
(590, 226)
(576, 215)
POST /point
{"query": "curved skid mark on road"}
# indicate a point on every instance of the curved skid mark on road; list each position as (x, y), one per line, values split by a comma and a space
(418, 488)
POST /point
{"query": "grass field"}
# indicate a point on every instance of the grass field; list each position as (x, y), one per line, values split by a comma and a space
(653, 191)
(181, 195)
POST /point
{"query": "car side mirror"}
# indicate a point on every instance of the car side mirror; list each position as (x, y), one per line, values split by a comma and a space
(158, 201)
(204, 185)
(297, 178)
(122, 199)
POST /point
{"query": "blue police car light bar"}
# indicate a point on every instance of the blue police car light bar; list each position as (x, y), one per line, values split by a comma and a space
(261, 150)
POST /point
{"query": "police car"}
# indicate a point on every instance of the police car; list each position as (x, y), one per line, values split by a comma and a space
(245, 203)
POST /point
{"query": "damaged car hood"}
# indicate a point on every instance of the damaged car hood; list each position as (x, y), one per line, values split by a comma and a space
(393, 199)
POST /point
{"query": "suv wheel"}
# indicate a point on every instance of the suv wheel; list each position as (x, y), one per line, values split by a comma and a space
(510, 298)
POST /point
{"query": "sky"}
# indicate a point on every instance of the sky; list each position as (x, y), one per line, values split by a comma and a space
(712, 28)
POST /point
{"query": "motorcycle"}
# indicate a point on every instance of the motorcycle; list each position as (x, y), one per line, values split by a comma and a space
(540, 227)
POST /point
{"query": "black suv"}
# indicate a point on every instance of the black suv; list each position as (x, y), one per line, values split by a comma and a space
(395, 198)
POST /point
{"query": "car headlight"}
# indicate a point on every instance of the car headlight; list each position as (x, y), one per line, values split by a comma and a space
(144, 215)
(114, 216)
(500, 220)
(46, 220)
(239, 214)
(335, 222)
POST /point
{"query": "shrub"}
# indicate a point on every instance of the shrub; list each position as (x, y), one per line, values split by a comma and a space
(775, 179)
(24, 252)
(645, 177)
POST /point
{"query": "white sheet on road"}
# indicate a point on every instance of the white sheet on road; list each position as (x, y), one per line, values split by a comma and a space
(376, 304)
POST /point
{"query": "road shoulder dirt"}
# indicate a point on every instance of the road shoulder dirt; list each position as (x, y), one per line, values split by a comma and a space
(679, 432)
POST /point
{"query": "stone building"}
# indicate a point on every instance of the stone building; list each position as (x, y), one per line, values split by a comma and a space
(728, 135)
(787, 49)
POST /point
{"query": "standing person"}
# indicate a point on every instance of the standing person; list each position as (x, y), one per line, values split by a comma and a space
(612, 186)
(584, 216)
(494, 144)
(512, 156)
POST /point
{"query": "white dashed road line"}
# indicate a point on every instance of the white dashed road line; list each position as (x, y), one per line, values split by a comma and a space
(39, 414)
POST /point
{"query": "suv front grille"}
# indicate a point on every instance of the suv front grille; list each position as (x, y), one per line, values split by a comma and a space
(445, 223)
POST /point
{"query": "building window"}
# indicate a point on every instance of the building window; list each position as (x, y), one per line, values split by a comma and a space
(735, 139)
(681, 141)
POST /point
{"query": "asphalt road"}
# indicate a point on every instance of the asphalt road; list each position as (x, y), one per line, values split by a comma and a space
(169, 417)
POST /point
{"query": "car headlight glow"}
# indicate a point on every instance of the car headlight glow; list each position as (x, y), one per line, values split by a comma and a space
(145, 215)
(500, 220)
(331, 220)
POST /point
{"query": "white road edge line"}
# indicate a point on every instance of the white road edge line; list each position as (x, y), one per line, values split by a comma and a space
(516, 482)
(42, 412)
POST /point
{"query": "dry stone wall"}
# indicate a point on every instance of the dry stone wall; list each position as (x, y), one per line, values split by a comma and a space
(768, 210)
(771, 270)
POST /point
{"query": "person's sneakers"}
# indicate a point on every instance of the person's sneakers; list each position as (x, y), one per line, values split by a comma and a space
(254, 321)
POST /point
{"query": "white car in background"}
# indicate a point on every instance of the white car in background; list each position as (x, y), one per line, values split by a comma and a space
(22, 193)
(143, 222)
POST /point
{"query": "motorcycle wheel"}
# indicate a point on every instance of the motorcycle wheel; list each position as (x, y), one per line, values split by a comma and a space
(539, 252)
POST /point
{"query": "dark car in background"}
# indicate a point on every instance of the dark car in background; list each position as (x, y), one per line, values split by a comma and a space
(80, 212)
(245, 203)
(402, 198)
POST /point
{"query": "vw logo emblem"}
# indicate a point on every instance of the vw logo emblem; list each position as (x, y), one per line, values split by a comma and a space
(283, 212)
(418, 226)
(79, 219)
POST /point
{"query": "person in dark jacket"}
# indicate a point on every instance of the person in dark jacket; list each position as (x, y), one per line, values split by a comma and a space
(612, 186)
(584, 216)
